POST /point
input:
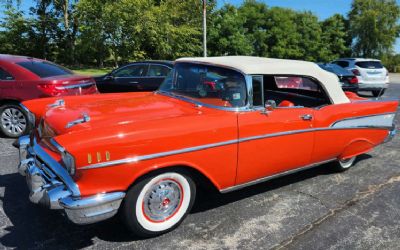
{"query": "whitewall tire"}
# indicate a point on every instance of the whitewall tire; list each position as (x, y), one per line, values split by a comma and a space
(343, 165)
(158, 203)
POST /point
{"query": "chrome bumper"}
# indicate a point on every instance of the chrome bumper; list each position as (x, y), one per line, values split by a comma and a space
(50, 185)
(372, 86)
(391, 134)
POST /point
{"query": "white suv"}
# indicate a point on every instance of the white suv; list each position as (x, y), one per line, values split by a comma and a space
(372, 75)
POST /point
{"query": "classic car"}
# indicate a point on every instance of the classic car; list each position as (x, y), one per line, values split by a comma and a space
(145, 154)
(24, 78)
(133, 77)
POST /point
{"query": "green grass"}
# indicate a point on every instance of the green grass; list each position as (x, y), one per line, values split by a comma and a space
(92, 71)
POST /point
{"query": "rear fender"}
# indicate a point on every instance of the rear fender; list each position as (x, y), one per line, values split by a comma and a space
(356, 147)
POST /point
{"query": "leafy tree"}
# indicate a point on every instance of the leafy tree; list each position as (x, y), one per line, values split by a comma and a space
(309, 31)
(283, 38)
(336, 40)
(254, 16)
(374, 26)
(227, 35)
(15, 33)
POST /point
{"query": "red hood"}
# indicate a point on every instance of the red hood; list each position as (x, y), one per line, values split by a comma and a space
(113, 109)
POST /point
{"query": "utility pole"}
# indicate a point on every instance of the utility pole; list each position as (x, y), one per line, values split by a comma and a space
(205, 28)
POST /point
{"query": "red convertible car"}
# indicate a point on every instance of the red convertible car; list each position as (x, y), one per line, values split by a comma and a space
(145, 154)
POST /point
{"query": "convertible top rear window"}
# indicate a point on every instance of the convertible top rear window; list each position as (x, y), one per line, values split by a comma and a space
(207, 84)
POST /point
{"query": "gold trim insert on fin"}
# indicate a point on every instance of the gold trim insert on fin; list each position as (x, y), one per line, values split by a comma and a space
(89, 158)
(108, 156)
(98, 157)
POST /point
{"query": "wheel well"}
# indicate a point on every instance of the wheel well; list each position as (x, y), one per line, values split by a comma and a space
(199, 178)
(9, 101)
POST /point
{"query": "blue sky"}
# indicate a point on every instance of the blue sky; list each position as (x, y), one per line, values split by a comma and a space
(322, 8)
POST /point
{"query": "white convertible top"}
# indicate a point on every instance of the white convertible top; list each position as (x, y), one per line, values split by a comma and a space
(267, 66)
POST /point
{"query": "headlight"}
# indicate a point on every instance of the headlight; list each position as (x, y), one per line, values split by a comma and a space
(67, 158)
(69, 162)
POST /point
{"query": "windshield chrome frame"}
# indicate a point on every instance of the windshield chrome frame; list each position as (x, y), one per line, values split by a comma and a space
(249, 90)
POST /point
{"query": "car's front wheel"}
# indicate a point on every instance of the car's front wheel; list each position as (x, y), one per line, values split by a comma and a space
(158, 203)
(13, 121)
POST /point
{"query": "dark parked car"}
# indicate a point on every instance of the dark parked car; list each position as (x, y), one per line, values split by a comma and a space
(348, 80)
(137, 76)
(24, 78)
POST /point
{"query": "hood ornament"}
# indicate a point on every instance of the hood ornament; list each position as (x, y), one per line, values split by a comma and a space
(85, 118)
(57, 103)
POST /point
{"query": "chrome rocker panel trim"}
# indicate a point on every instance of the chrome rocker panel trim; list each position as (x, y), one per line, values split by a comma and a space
(51, 186)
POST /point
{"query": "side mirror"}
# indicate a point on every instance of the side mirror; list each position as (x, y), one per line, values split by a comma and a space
(109, 77)
(269, 106)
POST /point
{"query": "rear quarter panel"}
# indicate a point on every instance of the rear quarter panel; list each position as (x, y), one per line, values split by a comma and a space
(332, 142)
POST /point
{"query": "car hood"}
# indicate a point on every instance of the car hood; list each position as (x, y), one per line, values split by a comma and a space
(102, 111)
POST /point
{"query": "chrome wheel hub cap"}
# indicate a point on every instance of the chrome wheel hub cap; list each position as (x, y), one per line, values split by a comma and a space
(162, 200)
(13, 121)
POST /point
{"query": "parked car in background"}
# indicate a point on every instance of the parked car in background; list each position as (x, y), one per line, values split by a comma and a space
(347, 80)
(24, 78)
(372, 75)
(221, 122)
(137, 76)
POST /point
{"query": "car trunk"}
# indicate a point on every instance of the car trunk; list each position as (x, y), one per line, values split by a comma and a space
(371, 71)
(71, 85)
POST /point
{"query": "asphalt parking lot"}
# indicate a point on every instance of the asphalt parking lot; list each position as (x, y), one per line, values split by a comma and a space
(315, 209)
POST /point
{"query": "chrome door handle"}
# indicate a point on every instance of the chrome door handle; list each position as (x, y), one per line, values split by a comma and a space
(307, 117)
(133, 82)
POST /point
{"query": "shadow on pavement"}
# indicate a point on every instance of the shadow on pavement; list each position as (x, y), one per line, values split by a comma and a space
(35, 227)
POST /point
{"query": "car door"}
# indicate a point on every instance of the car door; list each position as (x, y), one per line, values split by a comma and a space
(129, 78)
(155, 76)
(8, 85)
(274, 141)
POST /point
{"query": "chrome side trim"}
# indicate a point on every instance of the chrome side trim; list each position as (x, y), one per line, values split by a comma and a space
(212, 145)
(378, 120)
(292, 171)
(158, 155)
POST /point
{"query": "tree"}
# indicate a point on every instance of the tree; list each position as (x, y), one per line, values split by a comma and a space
(283, 38)
(227, 35)
(374, 26)
(255, 15)
(336, 39)
(15, 33)
(65, 9)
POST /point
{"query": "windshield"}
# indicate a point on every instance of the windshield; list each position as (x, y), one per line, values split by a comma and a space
(45, 69)
(207, 84)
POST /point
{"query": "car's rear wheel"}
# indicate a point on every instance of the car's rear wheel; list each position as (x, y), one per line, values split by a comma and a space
(158, 203)
(13, 121)
(377, 93)
(344, 164)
